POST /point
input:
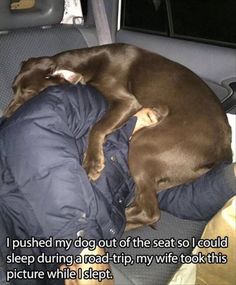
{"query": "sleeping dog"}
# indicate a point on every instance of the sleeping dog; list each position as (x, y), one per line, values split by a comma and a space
(192, 135)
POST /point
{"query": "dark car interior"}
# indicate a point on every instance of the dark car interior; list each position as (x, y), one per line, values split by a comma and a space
(178, 30)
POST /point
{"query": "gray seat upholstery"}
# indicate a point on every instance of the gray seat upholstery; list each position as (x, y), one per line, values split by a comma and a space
(43, 12)
(31, 34)
(156, 274)
(22, 43)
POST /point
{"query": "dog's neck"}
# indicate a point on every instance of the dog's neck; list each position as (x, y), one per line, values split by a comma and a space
(87, 65)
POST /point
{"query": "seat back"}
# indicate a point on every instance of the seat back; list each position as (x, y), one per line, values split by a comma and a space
(32, 33)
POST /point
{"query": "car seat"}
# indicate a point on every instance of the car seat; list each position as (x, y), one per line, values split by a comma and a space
(38, 32)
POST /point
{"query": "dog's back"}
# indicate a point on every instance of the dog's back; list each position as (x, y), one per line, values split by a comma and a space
(192, 138)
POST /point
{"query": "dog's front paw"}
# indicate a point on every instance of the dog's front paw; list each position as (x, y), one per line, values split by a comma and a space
(93, 165)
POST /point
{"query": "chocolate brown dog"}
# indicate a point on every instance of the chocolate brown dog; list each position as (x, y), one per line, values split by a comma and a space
(192, 136)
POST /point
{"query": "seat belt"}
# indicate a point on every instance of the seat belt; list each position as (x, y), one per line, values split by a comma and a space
(101, 22)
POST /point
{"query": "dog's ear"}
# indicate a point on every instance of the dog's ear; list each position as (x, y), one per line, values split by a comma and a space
(21, 96)
(70, 76)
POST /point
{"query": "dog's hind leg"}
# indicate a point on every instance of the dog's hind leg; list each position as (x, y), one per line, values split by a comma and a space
(144, 209)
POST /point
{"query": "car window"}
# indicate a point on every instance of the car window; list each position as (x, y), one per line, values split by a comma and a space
(211, 21)
(145, 15)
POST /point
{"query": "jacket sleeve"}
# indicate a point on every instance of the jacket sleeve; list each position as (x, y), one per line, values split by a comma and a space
(45, 164)
(201, 199)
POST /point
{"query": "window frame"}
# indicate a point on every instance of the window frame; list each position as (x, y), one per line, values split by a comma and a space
(170, 33)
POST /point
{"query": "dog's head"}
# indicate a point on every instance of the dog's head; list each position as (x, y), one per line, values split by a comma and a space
(30, 81)
(35, 75)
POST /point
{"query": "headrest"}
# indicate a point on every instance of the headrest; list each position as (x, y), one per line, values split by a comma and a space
(23, 14)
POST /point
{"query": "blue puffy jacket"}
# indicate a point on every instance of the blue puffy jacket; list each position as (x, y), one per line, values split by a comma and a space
(44, 190)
